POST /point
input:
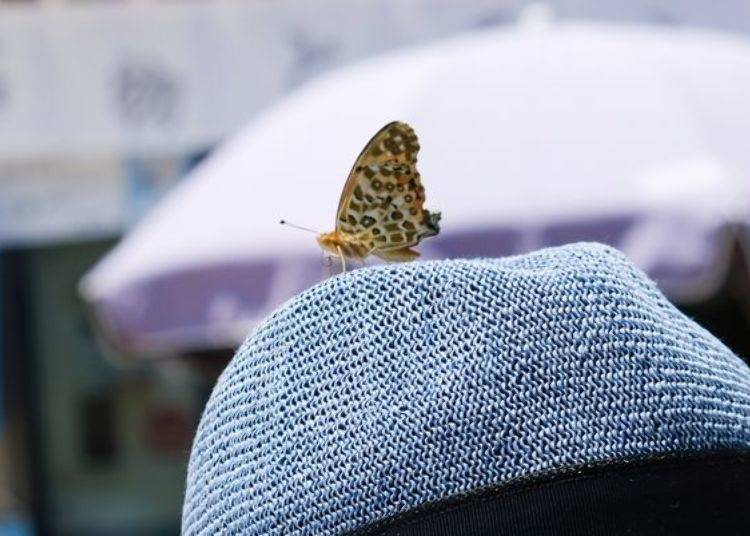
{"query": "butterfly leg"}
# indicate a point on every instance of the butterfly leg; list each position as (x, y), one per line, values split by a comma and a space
(343, 260)
(329, 262)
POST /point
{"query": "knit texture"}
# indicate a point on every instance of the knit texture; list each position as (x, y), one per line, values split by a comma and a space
(389, 387)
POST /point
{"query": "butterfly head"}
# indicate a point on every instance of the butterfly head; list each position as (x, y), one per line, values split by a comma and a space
(330, 242)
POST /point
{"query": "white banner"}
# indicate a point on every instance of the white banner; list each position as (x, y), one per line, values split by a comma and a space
(148, 79)
(54, 199)
(88, 90)
(48, 199)
(153, 78)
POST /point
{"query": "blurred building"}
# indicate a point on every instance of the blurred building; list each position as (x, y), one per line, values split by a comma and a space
(103, 108)
(79, 430)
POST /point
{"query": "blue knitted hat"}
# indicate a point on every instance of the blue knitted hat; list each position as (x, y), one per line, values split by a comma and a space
(392, 387)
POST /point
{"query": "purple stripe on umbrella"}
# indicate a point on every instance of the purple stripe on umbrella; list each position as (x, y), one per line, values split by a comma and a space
(190, 299)
(607, 230)
(497, 242)
(194, 308)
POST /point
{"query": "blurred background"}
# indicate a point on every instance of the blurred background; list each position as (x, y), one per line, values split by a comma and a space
(148, 151)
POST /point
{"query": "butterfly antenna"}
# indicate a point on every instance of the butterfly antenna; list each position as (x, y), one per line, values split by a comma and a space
(284, 222)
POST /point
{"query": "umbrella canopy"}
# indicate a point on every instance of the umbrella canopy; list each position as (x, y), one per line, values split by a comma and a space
(530, 137)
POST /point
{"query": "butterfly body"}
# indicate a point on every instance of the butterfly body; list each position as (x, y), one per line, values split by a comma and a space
(340, 244)
(381, 210)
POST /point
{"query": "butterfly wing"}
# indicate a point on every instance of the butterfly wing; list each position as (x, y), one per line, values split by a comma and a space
(382, 204)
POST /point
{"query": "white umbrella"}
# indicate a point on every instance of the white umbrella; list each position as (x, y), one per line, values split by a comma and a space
(530, 137)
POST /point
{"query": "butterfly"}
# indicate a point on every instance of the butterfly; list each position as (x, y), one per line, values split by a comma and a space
(381, 211)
